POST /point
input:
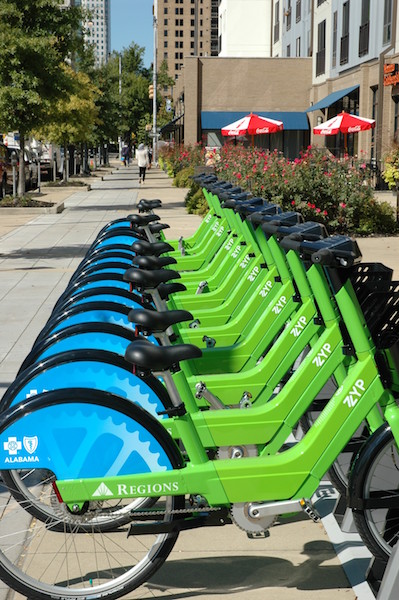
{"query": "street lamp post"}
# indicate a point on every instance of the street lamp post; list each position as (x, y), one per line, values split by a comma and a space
(120, 103)
(154, 82)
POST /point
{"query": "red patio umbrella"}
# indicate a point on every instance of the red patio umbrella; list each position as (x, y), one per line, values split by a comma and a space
(252, 125)
(344, 123)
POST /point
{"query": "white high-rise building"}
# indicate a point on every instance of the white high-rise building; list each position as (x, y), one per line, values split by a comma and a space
(98, 27)
(245, 28)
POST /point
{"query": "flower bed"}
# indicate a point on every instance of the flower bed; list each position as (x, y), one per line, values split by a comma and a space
(336, 192)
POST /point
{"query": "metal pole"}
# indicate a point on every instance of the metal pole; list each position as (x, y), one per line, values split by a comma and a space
(39, 180)
(14, 181)
(154, 82)
(120, 98)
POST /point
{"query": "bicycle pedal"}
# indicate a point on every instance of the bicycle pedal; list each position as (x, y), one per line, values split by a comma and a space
(257, 535)
(310, 510)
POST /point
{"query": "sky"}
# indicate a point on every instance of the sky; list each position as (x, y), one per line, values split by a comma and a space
(131, 21)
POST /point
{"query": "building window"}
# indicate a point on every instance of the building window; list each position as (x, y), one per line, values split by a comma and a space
(298, 47)
(165, 55)
(165, 44)
(335, 38)
(165, 10)
(192, 22)
(387, 31)
(364, 29)
(298, 10)
(276, 33)
(344, 54)
(287, 14)
(165, 22)
(288, 54)
(321, 49)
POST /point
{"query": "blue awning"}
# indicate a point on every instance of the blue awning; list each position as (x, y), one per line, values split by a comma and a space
(332, 98)
(215, 120)
(170, 126)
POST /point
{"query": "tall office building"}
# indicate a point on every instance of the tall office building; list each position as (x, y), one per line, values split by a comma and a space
(98, 27)
(186, 28)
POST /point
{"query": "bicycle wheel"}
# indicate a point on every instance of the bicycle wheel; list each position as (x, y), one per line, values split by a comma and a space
(40, 562)
(33, 488)
(374, 493)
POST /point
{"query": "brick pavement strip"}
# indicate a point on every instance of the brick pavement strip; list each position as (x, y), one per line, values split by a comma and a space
(37, 258)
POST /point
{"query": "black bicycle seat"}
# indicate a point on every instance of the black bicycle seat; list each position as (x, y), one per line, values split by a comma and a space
(153, 262)
(155, 321)
(165, 289)
(147, 205)
(148, 357)
(142, 220)
(143, 279)
(151, 248)
(153, 227)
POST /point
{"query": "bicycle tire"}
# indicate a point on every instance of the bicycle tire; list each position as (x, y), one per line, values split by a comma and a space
(41, 563)
(374, 482)
(33, 489)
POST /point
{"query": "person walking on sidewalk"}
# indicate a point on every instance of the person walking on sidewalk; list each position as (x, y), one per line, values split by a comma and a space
(142, 161)
(126, 154)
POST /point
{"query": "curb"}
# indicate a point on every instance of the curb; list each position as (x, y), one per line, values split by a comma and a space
(57, 207)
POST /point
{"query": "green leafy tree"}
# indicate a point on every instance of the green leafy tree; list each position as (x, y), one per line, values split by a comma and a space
(36, 36)
(74, 117)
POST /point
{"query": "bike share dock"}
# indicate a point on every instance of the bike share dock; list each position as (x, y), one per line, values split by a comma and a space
(298, 560)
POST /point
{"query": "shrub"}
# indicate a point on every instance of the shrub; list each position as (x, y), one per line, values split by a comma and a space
(335, 192)
(183, 179)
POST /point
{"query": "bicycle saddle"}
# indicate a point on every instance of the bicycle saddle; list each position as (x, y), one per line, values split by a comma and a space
(149, 279)
(153, 262)
(151, 248)
(165, 289)
(153, 227)
(147, 205)
(141, 220)
(150, 321)
(148, 357)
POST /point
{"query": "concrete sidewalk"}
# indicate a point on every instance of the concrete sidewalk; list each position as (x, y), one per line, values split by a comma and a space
(37, 258)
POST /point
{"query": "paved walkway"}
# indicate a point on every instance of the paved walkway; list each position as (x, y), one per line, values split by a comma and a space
(37, 258)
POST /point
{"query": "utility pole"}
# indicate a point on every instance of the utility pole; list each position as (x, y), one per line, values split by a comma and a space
(154, 82)
(120, 103)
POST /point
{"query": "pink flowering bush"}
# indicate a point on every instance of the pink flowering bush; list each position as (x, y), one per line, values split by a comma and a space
(321, 187)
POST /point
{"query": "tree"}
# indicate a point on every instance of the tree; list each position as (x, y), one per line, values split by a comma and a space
(73, 118)
(36, 36)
